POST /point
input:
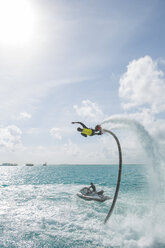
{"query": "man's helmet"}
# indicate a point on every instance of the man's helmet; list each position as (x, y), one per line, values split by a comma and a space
(98, 128)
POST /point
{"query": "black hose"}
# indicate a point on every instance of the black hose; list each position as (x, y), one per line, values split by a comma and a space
(119, 175)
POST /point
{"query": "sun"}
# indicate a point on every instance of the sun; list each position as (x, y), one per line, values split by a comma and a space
(16, 21)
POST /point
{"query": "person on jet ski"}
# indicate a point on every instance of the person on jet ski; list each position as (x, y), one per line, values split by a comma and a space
(93, 187)
(85, 131)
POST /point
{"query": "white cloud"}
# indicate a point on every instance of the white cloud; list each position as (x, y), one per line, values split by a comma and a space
(142, 88)
(89, 110)
(158, 130)
(10, 138)
(72, 149)
(56, 132)
(143, 85)
(34, 131)
(24, 116)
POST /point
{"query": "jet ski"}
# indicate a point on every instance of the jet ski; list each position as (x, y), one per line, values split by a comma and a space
(88, 194)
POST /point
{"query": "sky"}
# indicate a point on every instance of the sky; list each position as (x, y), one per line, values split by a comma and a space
(64, 61)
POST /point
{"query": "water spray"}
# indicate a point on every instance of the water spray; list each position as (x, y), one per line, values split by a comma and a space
(119, 175)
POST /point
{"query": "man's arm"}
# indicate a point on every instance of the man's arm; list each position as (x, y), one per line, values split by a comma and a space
(83, 134)
(100, 133)
(79, 123)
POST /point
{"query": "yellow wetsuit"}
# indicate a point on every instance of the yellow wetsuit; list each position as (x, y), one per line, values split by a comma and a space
(87, 131)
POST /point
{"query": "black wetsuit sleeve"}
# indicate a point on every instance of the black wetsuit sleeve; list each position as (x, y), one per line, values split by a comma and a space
(99, 133)
(83, 134)
(79, 123)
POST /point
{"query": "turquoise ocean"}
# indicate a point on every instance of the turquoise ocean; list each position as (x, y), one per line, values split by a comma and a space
(39, 207)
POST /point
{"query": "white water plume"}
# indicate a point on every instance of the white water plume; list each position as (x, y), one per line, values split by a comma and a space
(148, 143)
(154, 169)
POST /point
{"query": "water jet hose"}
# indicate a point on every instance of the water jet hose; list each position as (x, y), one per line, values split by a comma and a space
(119, 175)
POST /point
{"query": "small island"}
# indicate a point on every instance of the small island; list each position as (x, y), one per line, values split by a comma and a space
(8, 164)
(29, 164)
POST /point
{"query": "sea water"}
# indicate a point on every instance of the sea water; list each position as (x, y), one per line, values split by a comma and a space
(39, 208)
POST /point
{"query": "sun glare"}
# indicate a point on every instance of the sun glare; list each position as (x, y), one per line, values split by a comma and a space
(16, 22)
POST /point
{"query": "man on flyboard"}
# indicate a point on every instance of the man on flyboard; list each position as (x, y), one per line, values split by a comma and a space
(85, 131)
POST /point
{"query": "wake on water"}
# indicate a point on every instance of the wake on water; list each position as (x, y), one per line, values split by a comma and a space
(154, 219)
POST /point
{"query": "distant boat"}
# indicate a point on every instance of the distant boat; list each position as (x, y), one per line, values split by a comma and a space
(45, 164)
(8, 164)
(29, 164)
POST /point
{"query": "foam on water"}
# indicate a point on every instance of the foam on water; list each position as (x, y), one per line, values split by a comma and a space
(49, 216)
